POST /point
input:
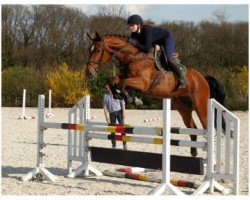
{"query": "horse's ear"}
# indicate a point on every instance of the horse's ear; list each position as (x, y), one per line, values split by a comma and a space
(98, 37)
(92, 37)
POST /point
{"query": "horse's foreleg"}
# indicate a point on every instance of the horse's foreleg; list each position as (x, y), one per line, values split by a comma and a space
(135, 83)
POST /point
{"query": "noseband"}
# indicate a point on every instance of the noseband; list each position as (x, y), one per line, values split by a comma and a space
(99, 62)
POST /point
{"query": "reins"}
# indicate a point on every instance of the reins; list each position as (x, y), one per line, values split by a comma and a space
(112, 55)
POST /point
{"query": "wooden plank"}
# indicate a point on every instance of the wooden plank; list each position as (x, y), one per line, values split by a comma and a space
(182, 164)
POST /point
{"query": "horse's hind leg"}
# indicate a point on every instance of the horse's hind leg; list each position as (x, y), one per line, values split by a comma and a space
(184, 107)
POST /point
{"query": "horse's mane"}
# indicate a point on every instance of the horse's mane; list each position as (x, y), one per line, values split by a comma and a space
(115, 35)
(123, 37)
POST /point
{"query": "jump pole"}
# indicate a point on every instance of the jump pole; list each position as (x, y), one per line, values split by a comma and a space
(141, 176)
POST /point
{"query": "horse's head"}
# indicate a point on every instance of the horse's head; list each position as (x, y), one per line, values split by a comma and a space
(98, 55)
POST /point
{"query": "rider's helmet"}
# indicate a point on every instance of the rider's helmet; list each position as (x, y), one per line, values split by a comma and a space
(134, 19)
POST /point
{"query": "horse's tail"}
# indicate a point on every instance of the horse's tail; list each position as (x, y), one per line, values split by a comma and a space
(216, 89)
(217, 92)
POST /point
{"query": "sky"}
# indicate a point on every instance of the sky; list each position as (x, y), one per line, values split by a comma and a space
(181, 12)
(162, 10)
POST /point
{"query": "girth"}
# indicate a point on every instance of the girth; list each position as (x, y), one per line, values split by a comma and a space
(156, 81)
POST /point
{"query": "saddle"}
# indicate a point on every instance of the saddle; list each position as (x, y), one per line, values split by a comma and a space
(162, 64)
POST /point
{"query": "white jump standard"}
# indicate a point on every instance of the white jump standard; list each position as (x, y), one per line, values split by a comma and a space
(50, 114)
(40, 145)
(23, 116)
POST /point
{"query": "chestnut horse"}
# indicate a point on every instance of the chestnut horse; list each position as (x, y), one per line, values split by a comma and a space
(140, 74)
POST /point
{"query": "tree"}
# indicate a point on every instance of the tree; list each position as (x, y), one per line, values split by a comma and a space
(112, 11)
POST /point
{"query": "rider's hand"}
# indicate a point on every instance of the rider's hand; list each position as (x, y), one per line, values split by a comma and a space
(132, 41)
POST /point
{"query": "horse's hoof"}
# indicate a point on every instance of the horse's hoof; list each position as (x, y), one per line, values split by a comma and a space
(138, 102)
(124, 95)
(118, 96)
(194, 152)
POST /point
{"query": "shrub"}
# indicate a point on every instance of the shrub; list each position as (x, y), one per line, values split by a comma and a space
(236, 84)
(14, 80)
(96, 87)
(68, 86)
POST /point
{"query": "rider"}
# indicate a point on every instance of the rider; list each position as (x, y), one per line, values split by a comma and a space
(144, 36)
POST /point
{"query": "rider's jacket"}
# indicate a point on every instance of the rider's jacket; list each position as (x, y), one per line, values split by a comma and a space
(149, 36)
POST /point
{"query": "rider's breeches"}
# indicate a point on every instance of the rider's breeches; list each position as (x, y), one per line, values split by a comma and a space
(169, 46)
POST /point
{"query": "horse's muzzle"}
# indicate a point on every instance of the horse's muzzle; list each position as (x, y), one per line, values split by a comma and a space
(89, 75)
(90, 72)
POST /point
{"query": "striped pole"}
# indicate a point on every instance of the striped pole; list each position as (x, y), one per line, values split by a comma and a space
(149, 178)
(117, 129)
(122, 128)
(134, 169)
(134, 176)
(173, 130)
(147, 140)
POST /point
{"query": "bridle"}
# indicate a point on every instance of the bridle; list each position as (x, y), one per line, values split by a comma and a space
(99, 62)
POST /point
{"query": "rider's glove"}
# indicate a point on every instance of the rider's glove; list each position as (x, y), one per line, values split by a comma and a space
(132, 41)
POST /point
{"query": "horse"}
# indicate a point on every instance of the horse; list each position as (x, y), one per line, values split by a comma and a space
(140, 74)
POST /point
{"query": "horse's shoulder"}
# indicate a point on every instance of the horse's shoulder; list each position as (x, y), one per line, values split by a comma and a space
(192, 70)
(194, 73)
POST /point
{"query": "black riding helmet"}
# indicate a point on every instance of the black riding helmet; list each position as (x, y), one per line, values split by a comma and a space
(135, 19)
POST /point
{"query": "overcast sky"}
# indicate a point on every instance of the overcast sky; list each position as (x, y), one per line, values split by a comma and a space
(188, 12)
(160, 10)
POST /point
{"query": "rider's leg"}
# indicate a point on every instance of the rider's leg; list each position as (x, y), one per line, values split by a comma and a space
(169, 48)
(176, 69)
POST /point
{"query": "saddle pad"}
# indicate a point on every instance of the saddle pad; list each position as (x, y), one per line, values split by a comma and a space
(159, 64)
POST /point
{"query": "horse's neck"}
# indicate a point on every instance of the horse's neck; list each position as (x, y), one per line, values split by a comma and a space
(124, 52)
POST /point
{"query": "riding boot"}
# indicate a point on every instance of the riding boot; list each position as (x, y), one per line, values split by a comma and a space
(174, 66)
(165, 59)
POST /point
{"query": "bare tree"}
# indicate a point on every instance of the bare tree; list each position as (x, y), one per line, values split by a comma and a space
(112, 10)
(220, 16)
